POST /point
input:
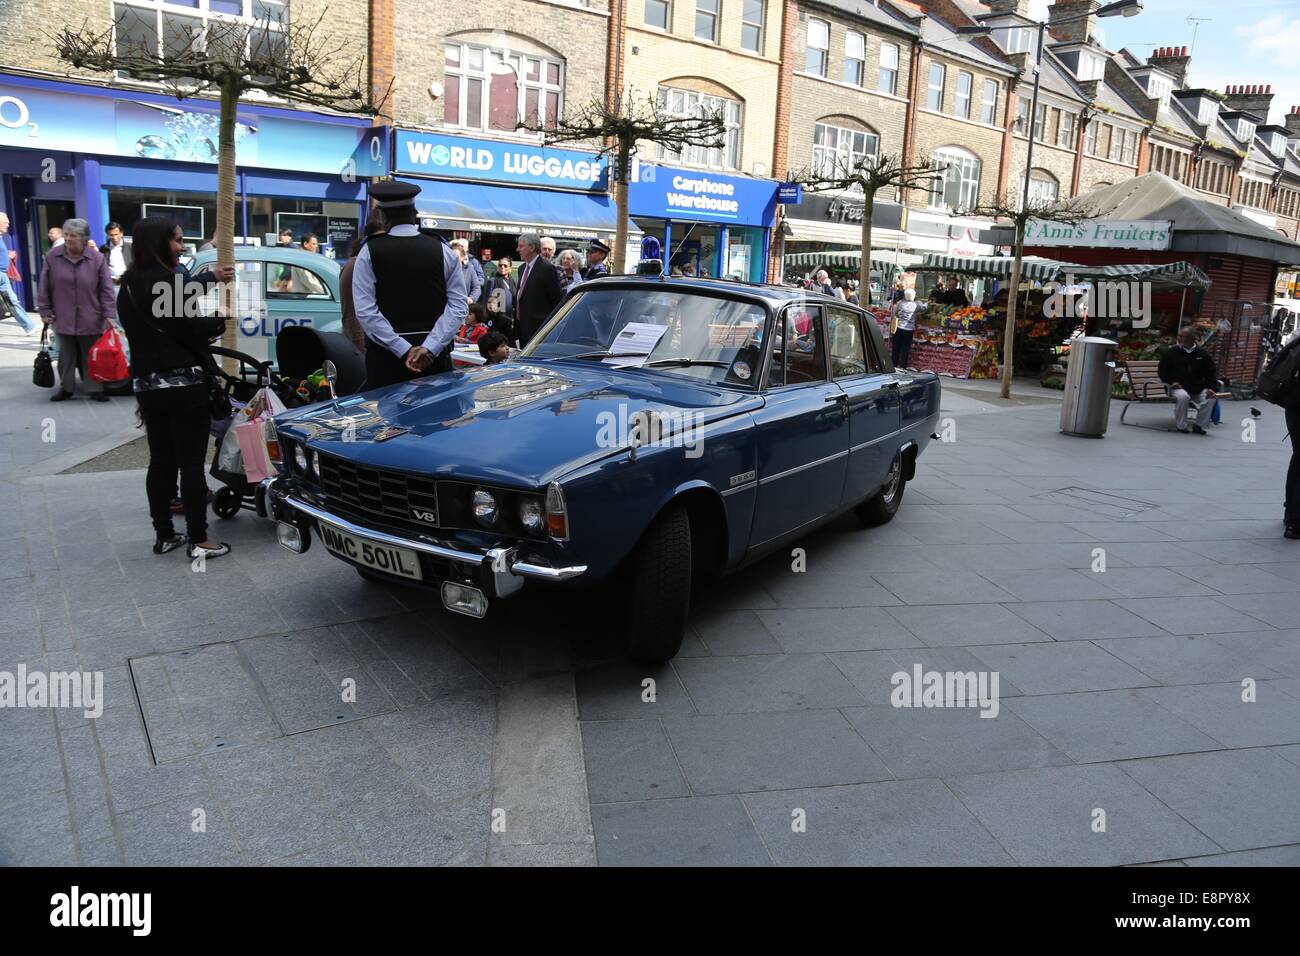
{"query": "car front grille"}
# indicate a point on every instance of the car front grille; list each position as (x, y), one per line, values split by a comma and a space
(379, 492)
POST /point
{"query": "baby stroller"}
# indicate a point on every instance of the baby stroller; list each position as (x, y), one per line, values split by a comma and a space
(300, 380)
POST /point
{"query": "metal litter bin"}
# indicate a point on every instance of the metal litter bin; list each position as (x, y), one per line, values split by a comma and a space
(1086, 409)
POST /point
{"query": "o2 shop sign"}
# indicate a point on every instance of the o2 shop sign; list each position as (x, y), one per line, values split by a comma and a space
(458, 157)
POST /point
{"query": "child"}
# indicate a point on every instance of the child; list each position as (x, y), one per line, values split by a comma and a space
(493, 347)
(475, 326)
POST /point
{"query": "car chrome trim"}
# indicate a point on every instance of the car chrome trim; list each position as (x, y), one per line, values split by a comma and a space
(876, 441)
(803, 467)
(739, 488)
(516, 566)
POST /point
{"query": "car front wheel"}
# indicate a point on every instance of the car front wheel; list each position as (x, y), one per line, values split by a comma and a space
(660, 589)
(883, 505)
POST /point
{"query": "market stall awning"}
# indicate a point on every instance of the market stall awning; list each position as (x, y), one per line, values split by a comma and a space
(882, 260)
(478, 208)
(1177, 275)
(1032, 268)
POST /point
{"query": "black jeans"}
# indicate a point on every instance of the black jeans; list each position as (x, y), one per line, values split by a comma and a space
(1292, 512)
(901, 348)
(176, 422)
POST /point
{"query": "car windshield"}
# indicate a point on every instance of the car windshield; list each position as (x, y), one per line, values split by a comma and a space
(676, 331)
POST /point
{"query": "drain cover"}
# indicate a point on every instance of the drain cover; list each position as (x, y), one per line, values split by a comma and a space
(1113, 506)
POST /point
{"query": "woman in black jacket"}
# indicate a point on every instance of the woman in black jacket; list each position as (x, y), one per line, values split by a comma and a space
(169, 363)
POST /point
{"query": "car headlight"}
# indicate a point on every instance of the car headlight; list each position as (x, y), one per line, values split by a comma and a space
(484, 507)
(532, 515)
(302, 458)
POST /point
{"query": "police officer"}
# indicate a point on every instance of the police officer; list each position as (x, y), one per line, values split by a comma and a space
(408, 288)
(597, 252)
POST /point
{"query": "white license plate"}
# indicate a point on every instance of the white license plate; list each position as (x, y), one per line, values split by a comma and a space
(400, 562)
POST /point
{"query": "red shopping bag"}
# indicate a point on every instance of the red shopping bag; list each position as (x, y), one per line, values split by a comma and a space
(107, 360)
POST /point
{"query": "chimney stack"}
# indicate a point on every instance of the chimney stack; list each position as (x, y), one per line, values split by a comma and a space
(1172, 59)
(1292, 124)
(1020, 7)
(1254, 99)
(1080, 31)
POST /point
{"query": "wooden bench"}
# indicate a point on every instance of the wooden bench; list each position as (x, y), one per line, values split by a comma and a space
(1146, 389)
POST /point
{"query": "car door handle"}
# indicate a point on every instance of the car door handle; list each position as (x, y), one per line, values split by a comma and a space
(842, 398)
(894, 384)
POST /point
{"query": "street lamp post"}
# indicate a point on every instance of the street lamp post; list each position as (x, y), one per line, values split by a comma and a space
(1120, 8)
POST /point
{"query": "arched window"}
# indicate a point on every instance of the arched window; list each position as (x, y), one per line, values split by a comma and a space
(1043, 186)
(675, 101)
(489, 87)
(839, 149)
(958, 187)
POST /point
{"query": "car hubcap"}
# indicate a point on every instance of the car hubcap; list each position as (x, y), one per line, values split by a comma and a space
(890, 491)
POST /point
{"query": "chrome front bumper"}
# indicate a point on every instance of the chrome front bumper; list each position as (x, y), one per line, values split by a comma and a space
(507, 567)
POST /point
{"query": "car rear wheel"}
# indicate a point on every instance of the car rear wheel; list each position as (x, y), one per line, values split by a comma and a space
(660, 589)
(883, 505)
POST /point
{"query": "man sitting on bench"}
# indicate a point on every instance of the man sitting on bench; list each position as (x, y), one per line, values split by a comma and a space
(1191, 376)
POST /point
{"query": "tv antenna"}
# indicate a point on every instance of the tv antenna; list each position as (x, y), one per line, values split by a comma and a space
(1196, 25)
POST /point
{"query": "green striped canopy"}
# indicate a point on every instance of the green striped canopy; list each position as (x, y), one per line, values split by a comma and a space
(1182, 275)
(1032, 268)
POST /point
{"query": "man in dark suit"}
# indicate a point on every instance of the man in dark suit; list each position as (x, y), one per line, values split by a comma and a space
(499, 292)
(539, 289)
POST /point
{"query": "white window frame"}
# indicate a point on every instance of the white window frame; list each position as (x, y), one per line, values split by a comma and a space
(886, 68)
(860, 59)
(756, 27)
(1021, 125)
(666, 6)
(674, 101)
(961, 179)
(1091, 66)
(202, 11)
(931, 90)
(989, 104)
(961, 101)
(1067, 141)
(1043, 186)
(713, 17)
(519, 62)
(834, 159)
(824, 49)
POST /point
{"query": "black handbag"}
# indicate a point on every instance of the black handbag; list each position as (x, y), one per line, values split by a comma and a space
(43, 367)
(219, 406)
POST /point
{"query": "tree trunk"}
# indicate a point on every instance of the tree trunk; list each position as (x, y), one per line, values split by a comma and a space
(226, 209)
(623, 161)
(1009, 335)
(864, 268)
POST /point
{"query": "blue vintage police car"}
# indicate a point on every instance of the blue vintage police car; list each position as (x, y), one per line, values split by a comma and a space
(654, 428)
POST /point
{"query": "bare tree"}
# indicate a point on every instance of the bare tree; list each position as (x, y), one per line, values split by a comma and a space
(620, 126)
(868, 176)
(1067, 212)
(298, 62)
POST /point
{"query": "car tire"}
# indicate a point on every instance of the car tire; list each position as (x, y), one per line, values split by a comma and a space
(881, 507)
(660, 589)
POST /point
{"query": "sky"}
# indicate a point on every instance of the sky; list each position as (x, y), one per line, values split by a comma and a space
(1244, 42)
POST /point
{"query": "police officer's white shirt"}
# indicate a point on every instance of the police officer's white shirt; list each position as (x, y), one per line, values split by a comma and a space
(378, 328)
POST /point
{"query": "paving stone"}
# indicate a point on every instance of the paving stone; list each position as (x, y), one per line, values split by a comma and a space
(692, 831)
(1047, 584)
(741, 685)
(1083, 620)
(544, 854)
(417, 834)
(1280, 610)
(826, 588)
(872, 672)
(1189, 659)
(1241, 799)
(613, 691)
(1045, 817)
(811, 630)
(163, 835)
(1191, 615)
(282, 823)
(1218, 710)
(1271, 856)
(902, 823)
(1059, 668)
(951, 625)
(1110, 725)
(731, 633)
(1238, 579)
(630, 760)
(956, 587)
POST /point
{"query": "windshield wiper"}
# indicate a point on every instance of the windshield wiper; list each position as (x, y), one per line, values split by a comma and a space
(682, 361)
(604, 354)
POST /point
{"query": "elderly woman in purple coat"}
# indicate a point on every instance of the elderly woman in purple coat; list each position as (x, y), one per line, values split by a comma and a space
(77, 297)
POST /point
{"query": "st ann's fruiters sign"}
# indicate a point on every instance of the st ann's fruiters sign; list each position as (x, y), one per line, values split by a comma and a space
(1102, 233)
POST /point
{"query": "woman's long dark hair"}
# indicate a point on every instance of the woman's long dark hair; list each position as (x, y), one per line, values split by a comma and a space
(151, 245)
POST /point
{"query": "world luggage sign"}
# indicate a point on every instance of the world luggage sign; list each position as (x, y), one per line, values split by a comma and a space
(485, 160)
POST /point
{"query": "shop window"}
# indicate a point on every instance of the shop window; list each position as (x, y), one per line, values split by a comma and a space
(845, 340)
(888, 82)
(752, 16)
(838, 151)
(958, 185)
(855, 54)
(706, 20)
(677, 102)
(989, 105)
(174, 28)
(934, 91)
(494, 88)
(818, 45)
(659, 13)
